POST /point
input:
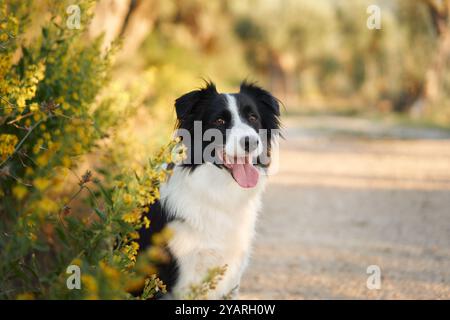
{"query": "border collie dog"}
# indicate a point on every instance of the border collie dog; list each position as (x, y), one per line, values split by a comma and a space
(211, 200)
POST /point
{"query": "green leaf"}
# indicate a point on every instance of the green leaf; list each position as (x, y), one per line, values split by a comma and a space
(101, 214)
(106, 195)
(61, 235)
(41, 246)
(45, 33)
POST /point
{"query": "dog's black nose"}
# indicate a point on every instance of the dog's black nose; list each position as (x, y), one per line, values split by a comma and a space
(249, 143)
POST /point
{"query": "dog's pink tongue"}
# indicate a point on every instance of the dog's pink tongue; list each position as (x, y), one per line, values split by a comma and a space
(245, 174)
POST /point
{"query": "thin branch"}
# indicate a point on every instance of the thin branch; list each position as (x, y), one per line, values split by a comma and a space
(20, 118)
(10, 104)
(21, 128)
(66, 207)
(19, 145)
(28, 157)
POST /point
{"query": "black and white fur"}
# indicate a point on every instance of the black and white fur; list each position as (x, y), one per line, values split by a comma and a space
(212, 217)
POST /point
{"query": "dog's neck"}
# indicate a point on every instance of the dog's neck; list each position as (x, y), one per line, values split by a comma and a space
(210, 190)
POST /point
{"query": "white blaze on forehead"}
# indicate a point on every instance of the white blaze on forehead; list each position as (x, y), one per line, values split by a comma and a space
(239, 130)
(232, 106)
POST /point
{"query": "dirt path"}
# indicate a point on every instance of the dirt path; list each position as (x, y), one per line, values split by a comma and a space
(352, 193)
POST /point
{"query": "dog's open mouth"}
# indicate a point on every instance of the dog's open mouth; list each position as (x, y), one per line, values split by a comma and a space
(242, 169)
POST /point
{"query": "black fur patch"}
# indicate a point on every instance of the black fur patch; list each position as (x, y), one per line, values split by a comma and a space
(167, 272)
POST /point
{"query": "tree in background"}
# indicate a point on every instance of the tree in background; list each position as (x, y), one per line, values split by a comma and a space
(323, 52)
(436, 80)
(314, 53)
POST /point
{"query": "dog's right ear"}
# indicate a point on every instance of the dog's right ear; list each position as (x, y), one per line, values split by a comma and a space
(186, 104)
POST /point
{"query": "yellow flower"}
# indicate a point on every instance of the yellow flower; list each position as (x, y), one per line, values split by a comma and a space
(59, 100)
(120, 184)
(167, 233)
(134, 284)
(157, 254)
(134, 235)
(66, 161)
(109, 271)
(41, 183)
(89, 283)
(77, 148)
(134, 245)
(131, 251)
(132, 217)
(32, 237)
(20, 103)
(7, 145)
(43, 159)
(157, 239)
(76, 262)
(25, 296)
(127, 198)
(29, 171)
(34, 107)
(46, 205)
(147, 268)
(146, 222)
(4, 37)
(19, 191)
(37, 116)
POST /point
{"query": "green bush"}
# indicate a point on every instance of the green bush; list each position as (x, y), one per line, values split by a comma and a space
(57, 107)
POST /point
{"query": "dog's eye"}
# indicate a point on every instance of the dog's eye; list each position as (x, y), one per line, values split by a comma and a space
(252, 117)
(219, 122)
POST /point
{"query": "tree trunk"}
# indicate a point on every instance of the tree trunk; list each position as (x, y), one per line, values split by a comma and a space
(433, 85)
(130, 19)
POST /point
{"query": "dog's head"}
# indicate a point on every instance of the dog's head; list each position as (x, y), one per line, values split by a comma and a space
(233, 131)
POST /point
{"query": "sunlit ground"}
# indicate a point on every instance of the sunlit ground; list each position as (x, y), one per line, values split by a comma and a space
(352, 193)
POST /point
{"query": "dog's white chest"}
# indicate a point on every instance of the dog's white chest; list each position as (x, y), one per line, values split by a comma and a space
(214, 227)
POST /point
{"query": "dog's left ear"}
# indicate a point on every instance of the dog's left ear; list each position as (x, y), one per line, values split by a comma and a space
(262, 96)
